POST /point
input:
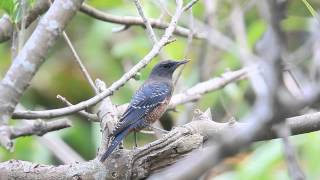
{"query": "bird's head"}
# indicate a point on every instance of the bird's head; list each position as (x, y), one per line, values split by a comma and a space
(165, 69)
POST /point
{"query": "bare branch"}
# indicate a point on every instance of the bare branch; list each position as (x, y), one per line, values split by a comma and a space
(39, 128)
(294, 170)
(79, 62)
(189, 5)
(202, 88)
(146, 22)
(85, 114)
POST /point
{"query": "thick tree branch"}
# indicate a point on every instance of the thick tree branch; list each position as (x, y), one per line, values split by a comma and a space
(143, 161)
(38, 128)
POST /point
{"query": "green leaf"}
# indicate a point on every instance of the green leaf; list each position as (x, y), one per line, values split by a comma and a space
(7, 6)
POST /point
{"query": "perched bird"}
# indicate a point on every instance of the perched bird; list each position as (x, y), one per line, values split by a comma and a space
(147, 105)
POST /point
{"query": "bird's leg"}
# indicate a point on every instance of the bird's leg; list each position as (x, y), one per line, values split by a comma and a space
(158, 129)
(135, 139)
(121, 145)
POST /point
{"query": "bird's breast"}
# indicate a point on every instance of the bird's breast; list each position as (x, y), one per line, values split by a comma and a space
(157, 112)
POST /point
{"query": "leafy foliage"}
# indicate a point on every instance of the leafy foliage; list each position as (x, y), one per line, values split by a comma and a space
(14, 8)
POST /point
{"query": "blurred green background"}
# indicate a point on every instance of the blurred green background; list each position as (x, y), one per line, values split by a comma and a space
(108, 55)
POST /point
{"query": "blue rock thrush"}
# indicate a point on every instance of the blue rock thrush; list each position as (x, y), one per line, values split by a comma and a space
(147, 105)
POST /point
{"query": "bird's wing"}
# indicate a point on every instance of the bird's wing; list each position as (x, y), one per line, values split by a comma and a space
(144, 101)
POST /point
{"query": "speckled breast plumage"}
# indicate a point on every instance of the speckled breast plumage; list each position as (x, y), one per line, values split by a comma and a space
(157, 112)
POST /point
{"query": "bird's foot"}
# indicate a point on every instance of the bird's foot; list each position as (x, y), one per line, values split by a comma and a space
(121, 145)
(135, 139)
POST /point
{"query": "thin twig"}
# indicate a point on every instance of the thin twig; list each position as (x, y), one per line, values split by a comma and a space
(189, 5)
(294, 169)
(79, 62)
(194, 93)
(146, 22)
(189, 44)
(90, 116)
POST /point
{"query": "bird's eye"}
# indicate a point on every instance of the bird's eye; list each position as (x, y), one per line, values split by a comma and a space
(166, 66)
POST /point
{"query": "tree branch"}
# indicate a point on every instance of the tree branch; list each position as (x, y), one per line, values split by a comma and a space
(146, 22)
(83, 113)
(39, 128)
(143, 161)
(197, 91)
(294, 170)
(36, 128)
(79, 62)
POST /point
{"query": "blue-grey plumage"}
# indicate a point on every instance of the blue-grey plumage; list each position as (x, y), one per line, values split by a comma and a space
(148, 104)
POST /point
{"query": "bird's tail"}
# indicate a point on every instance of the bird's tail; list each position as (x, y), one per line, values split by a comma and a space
(115, 142)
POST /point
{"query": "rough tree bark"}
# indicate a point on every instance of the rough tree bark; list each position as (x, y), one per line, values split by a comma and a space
(141, 162)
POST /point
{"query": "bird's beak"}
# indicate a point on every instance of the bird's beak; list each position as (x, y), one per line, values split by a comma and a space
(182, 62)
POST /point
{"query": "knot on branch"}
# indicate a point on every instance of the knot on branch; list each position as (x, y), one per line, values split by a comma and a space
(39, 128)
